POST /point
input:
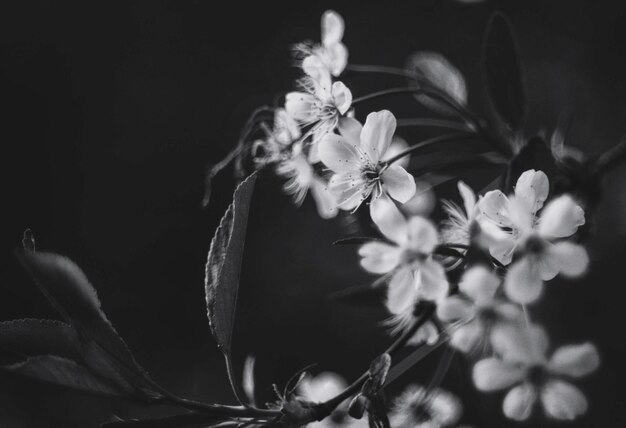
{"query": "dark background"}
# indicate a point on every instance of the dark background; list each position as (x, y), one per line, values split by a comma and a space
(113, 110)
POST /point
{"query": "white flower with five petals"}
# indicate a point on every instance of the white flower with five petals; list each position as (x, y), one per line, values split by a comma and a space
(320, 104)
(477, 309)
(356, 158)
(407, 258)
(517, 228)
(521, 363)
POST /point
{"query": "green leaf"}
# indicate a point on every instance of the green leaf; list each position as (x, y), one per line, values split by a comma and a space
(63, 372)
(503, 74)
(189, 420)
(223, 268)
(28, 337)
(104, 352)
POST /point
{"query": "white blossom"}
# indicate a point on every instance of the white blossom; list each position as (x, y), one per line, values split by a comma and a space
(331, 56)
(321, 388)
(319, 104)
(301, 178)
(414, 275)
(520, 363)
(417, 407)
(356, 157)
(477, 309)
(535, 238)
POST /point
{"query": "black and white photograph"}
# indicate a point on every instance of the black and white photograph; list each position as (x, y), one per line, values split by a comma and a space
(318, 214)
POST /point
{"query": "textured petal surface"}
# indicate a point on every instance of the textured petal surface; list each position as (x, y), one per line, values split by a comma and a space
(479, 284)
(563, 401)
(377, 133)
(378, 257)
(332, 27)
(389, 220)
(532, 189)
(523, 283)
(575, 360)
(401, 292)
(432, 281)
(519, 402)
(493, 374)
(398, 183)
(561, 218)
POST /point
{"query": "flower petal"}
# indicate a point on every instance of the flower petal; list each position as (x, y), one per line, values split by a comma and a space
(332, 27)
(575, 360)
(562, 400)
(493, 374)
(493, 206)
(422, 235)
(480, 284)
(313, 66)
(337, 56)
(397, 146)
(377, 133)
(469, 198)
(378, 257)
(427, 334)
(561, 218)
(401, 291)
(389, 220)
(398, 183)
(532, 189)
(454, 308)
(432, 281)
(342, 97)
(350, 130)
(322, 387)
(523, 283)
(324, 199)
(445, 408)
(570, 259)
(525, 345)
(518, 403)
(466, 338)
(338, 155)
(300, 106)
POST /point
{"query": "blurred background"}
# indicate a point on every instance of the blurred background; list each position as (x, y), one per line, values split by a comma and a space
(112, 112)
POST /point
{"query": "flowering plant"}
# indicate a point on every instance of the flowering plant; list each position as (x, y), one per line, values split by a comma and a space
(466, 280)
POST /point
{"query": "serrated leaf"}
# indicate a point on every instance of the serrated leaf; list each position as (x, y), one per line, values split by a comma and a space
(190, 420)
(223, 268)
(435, 70)
(503, 73)
(63, 372)
(30, 337)
(72, 295)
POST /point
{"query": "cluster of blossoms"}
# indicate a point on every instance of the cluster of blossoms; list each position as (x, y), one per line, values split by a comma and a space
(516, 243)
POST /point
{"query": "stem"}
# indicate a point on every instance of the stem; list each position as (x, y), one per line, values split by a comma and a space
(221, 409)
(383, 69)
(234, 385)
(430, 141)
(438, 95)
(436, 123)
(328, 406)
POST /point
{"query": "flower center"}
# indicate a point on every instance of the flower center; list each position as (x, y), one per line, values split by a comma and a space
(534, 245)
(537, 375)
(421, 413)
